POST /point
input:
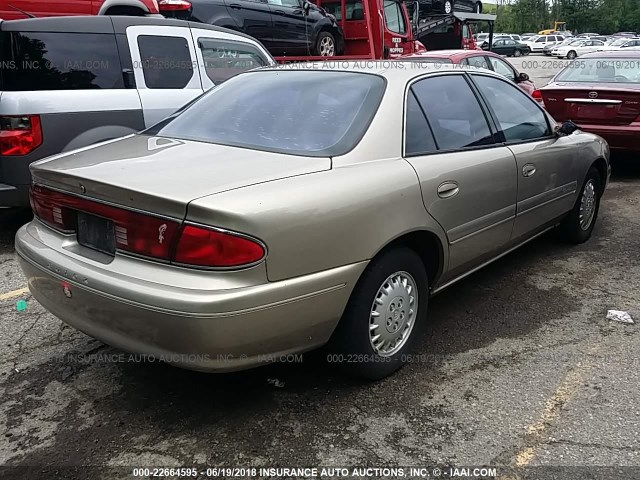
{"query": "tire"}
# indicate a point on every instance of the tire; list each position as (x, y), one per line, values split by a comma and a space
(517, 53)
(572, 55)
(447, 7)
(577, 227)
(325, 45)
(478, 7)
(352, 344)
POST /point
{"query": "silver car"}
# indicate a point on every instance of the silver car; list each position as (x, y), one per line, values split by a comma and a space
(292, 208)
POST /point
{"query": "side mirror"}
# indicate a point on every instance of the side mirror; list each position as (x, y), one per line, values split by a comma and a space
(522, 77)
(567, 128)
(306, 6)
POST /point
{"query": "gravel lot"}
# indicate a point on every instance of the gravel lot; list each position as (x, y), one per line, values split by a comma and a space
(519, 367)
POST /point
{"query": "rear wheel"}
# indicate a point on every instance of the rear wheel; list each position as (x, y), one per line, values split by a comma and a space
(517, 53)
(383, 317)
(578, 225)
(325, 45)
(478, 7)
(571, 55)
(447, 6)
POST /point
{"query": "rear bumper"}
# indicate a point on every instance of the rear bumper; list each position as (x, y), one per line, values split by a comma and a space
(619, 137)
(200, 328)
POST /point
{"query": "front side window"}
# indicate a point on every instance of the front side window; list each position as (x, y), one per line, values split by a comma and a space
(501, 67)
(310, 113)
(224, 59)
(59, 61)
(519, 117)
(394, 18)
(166, 61)
(541, 40)
(479, 62)
(453, 112)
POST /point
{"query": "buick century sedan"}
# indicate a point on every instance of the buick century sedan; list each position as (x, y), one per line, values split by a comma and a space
(289, 209)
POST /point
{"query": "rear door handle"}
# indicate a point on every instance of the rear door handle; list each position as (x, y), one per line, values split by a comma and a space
(448, 189)
(528, 170)
(235, 5)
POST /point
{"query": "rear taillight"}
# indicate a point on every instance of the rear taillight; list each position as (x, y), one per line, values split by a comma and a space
(19, 135)
(205, 247)
(537, 96)
(136, 233)
(173, 5)
(148, 235)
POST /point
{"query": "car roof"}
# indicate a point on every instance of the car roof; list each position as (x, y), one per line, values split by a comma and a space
(102, 24)
(401, 69)
(452, 54)
(612, 54)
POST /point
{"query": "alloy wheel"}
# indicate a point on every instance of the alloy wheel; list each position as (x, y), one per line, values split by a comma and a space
(327, 47)
(587, 205)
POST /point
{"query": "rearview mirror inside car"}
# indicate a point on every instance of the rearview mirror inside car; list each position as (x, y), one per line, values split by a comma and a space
(567, 128)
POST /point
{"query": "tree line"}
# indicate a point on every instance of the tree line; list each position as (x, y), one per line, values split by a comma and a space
(601, 16)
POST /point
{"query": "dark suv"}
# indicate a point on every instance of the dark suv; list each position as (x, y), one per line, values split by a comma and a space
(284, 27)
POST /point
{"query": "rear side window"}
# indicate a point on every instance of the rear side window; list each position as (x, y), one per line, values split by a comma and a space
(310, 113)
(225, 59)
(418, 137)
(453, 112)
(519, 117)
(59, 61)
(166, 61)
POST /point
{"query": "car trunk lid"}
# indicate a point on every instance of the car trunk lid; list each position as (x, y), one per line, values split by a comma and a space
(606, 103)
(162, 175)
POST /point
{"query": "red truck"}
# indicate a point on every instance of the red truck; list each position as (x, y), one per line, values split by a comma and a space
(16, 9)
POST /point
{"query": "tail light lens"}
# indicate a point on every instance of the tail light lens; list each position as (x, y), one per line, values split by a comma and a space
(19, 135)
(205, 247)
(174, 5)
(147, 235)
(537, 96)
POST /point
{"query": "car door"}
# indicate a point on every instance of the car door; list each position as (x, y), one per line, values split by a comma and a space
(253, 17)
(468, 180)
(291, 28)
(222, 56)
(546, 163)
(165, 68)
(499, 47)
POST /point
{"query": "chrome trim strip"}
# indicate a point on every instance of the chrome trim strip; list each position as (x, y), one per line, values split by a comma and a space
(511, 217)
(602, 101)
(545, 198)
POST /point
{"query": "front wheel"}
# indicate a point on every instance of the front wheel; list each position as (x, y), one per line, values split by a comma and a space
(383, 316)
(517, 53)
(578, 225)
(325, 45)
(447, 7)
(478, 7)
(572, 55)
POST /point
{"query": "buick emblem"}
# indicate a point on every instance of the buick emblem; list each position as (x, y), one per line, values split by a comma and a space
(66, 289)
(593, 94)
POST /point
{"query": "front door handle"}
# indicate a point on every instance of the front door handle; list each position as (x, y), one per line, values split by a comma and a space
(278, 12)
(237, 6)
(528, 170)
(448, 189)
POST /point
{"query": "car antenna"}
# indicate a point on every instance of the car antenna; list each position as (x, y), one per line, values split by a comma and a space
(30, 15)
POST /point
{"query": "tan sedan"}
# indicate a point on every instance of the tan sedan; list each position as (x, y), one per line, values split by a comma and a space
(288, 209)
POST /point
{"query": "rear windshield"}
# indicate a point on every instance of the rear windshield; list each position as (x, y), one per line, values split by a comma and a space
(58, 61)
(310, 113)
(602, 70)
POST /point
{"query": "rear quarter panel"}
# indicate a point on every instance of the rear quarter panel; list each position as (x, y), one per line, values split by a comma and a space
(319, 221)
